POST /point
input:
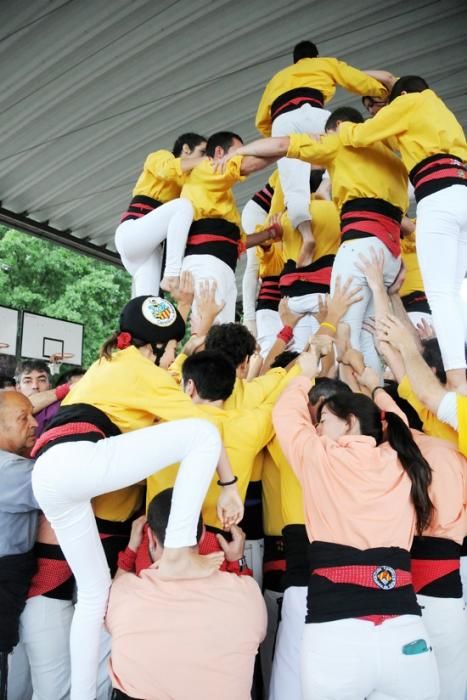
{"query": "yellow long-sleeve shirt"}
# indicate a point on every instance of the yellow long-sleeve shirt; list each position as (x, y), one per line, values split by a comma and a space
(291, 495)
(431, 424)
(326, 231)
(373, 172)
(211, 192)
(134, 393)
(421, 123)
(244, 434)
(413, 277)
(271, 261)
(322, 74)
(246, 394)
(273, 521)
(154, 181)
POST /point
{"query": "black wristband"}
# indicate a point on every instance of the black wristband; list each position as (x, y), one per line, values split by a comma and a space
(375, 390)
(227, 483)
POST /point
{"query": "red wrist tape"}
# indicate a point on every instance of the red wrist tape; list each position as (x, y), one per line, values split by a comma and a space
(286, 334)
(126, 560)
(61, 391)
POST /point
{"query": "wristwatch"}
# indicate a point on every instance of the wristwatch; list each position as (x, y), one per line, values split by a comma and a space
(242, 564)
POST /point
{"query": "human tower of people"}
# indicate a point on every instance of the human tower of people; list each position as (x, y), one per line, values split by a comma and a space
(296, 483)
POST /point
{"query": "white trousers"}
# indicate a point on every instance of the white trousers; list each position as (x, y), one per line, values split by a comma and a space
(285, 677)
(442, 255)
(42, 657)
(268, 325)
(266, 650)
(252, 216)
(417, 316)
(138, 242)
(208, 267)
(307, 305)
(254, 550)
(446, 622)
(345, 266)
(295, 174)
(355, 659)
(68, 475)
(464, 577)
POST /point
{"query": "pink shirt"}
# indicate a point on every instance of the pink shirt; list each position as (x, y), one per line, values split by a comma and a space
(356, 493)
(174, 640)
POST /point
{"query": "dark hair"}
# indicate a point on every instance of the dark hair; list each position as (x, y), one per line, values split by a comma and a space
(158, 515)
(26, 366)
(390, 387)
(224, 139)
(190, 139)
(407, 83)
(304, 49)
(233, 339)
(6, 381)
(284, 358)
(212, 372)
(343, 114)
(431, 353)
(69, 374)
(325, 387)
(316, 178)
(343, 405)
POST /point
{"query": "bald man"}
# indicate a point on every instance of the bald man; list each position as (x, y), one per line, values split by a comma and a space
(18, 519)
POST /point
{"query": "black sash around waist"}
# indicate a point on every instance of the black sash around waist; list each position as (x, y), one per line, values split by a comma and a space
(139, 206)
(297, 565)
(296, 98)
(436, 567)
(416, 301)
(387, 590)
(437, 172)
(16, 572)
(215, 237)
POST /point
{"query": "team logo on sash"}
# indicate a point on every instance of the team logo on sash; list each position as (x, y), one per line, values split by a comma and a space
(158, 311)
(385, 577)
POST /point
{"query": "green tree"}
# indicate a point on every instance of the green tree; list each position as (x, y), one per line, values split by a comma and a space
(46, 278)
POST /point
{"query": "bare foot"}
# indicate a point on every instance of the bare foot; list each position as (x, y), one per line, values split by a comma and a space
(186, 562)
(306, 254)
(169, 283)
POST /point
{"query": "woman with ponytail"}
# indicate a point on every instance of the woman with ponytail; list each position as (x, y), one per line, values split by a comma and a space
(365, 487)
(104, 439)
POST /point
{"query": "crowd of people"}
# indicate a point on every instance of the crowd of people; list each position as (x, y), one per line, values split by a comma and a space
(273, 506)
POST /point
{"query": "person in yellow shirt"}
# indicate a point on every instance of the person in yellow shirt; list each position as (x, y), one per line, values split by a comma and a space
(215, 240)
(157, 213)
(433, 148)
(293, 102)
(412, 291)
(103, 438)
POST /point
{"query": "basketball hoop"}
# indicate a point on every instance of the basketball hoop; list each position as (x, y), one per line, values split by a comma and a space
(56, 360)
(4, 346)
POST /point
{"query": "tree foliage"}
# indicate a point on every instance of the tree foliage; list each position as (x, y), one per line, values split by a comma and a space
(46, 278)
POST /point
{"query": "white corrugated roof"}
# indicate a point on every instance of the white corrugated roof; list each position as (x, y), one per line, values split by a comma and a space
(89, 87)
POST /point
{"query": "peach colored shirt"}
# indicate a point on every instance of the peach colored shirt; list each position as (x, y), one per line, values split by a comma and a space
(174, 640)
(356, 493)
(448, 490)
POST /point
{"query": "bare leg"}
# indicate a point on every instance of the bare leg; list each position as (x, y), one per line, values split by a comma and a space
(306, 254)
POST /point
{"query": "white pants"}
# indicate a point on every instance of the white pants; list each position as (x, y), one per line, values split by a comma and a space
(254, 550)
(138, 242)
(417, 316)
(285, 678)
(68, 475)
(355, 659)
(345, 266)
(266, 650)
(307, 304)
(208, 267)
(464, 577)
(446, 622)
(442, 255)
(295, 174)
(44, 641)
(252, 216)
(268, 325)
